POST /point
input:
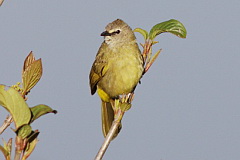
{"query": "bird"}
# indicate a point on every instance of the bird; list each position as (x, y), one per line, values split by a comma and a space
(117, 69)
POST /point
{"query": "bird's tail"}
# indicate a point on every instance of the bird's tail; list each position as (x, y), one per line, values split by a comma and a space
(108, 118)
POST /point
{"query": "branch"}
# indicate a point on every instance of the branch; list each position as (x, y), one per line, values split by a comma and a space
(6, 123)
(120, 106)
(1, 2)
(18, 148)
(107, 140)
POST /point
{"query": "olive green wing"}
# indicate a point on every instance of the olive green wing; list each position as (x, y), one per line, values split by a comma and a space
(99, 68)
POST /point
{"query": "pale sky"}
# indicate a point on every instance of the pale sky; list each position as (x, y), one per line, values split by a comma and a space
(187, 107)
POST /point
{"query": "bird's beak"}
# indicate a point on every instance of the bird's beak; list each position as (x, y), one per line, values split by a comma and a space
(105, 33)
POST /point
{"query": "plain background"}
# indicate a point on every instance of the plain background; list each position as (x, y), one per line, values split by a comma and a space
(187, 107)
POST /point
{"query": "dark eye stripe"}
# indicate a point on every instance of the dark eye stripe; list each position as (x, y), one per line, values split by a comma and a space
(116, 32)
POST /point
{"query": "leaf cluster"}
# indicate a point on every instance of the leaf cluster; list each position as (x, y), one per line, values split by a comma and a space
(13, 99)
(171, 26)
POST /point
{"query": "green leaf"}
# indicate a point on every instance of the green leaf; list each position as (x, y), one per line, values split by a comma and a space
(29, 149)
(142, 31)
(125, 106)
(28, 61)
(24, 131)
(8, 145)
(32, 73)
(40, 110)
(33, 136)
(172, 26)
(6, 149)
(13, 102)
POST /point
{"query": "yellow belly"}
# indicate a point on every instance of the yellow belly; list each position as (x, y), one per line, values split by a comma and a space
(122, 76)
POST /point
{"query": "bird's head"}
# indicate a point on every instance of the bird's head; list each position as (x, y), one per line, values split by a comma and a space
(118, 33)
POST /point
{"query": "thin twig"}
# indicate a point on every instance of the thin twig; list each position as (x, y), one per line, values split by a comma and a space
(1, 2)
(18, 149)
(17, 156)
(153, 58)
(107, 140)
(6, 123)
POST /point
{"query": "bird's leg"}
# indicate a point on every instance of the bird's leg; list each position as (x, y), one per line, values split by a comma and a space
(125, 101)
(131, 97)
(126, 98)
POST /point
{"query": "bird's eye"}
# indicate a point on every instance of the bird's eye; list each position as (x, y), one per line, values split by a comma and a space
(118, 31)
